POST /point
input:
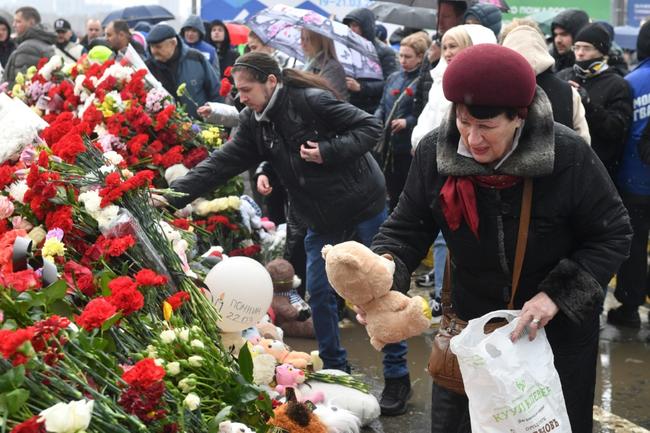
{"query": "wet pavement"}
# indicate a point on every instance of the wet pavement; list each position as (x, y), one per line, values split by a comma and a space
(622, 403)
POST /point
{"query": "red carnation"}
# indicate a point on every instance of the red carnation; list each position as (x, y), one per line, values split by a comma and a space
(6, 175)
(172, 156)
(195, 156)
(394, 92)
(79, 277)
(147, 277)
(21, 281)
(181, 223)
(32, 425)
(227, 72)
(60, 218)
(125, 295)
(95, 314)
(144, 373)
(409, 91)
(69, 146)
(11, 341)
(178, 299)
(115, 247)
(226, 87)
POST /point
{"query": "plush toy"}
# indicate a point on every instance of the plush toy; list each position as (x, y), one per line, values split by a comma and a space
(365, 279)
(296, 417)
(233, 341)
(287, 376)
(363, 406)
(337, 420)
(283, 355)
(267, 329)
(292, 313)
(234, 427)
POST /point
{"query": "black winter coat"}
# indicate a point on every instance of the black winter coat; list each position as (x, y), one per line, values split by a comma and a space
(343, 191)
(579, 232)
(608, 112)
(371, 90)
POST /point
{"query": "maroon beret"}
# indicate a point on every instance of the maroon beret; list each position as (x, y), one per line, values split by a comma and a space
(489, 75)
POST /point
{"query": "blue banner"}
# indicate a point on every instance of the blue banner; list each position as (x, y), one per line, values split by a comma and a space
(637, 11)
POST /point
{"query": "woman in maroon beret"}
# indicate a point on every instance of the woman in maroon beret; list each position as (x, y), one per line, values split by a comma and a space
(467, 179)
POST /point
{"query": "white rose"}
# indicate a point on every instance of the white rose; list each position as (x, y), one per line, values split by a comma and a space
(159, 362)
(173, 368)
(197, 344)
(68, 417)
(187, 384)
(152, 352)
(195, 361)
(168, 336)
(192, 401)
(183, 334)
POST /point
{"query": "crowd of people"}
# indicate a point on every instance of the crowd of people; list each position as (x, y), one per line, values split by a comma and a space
(434, 155)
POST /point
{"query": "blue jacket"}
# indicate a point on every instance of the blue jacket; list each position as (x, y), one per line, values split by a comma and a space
(634, 175)
(396, 83)
(188, 66)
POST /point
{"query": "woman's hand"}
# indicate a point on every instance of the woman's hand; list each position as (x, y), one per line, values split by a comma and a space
(310, 152)
(535, 314)
(263, 185)
(361, 315)
(397, 125)
(204, 111)
(352, 84)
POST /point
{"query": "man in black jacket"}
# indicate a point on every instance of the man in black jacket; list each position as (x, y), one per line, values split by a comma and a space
(319, 147)
(564, 28)
(365, 93)
(605, 95)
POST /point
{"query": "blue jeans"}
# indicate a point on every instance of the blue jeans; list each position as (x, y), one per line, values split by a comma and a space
(439, 260)
(323, 300)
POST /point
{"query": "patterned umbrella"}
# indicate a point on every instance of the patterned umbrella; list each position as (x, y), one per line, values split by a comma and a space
(279, 26)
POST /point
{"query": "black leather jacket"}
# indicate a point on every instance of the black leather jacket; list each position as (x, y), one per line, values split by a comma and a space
(346, 189)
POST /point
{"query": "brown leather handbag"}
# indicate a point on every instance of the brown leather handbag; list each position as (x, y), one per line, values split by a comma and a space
(443, 364)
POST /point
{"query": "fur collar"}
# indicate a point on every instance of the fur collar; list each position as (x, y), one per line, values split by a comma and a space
(534, 157)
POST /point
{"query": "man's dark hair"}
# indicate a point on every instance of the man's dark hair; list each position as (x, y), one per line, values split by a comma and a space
(121, 26)
(260, 65)
(29, 13)
(460, 7)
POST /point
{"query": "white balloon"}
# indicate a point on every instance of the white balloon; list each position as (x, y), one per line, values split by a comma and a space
(241, 290)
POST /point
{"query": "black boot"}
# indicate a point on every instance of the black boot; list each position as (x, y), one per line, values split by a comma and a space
(624, 316)
(395, 395)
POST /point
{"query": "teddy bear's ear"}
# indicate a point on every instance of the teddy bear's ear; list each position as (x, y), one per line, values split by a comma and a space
(326, 249)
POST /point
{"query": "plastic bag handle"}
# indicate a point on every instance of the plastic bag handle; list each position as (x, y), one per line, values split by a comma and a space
(483, 320)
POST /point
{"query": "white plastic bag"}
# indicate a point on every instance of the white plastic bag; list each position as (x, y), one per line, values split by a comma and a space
(511, 387)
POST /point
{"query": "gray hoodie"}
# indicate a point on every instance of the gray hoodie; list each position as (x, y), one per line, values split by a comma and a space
(33, 45)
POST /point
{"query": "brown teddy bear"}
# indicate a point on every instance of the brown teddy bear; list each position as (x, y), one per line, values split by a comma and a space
(295, 417)
(364, 279)
(292, 314)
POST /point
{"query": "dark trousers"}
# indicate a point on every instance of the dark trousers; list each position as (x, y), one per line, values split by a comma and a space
(575, 362)
(396, 173)
(632, 276)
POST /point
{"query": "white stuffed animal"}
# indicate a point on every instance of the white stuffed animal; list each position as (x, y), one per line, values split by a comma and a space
(363, 406)
(337, 420)
(234, 427)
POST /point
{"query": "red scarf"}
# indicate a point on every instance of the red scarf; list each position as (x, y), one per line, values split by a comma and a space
(458, 197)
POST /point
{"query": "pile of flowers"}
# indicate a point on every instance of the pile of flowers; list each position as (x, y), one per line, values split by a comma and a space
(104, 325)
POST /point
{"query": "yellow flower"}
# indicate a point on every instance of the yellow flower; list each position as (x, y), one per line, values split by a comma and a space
(211, 136)
(20, 78)
(53, 247)
(167, 310)
(181, 90)
(31, 71)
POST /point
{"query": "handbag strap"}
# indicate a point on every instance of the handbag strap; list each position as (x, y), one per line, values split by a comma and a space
(520, 251)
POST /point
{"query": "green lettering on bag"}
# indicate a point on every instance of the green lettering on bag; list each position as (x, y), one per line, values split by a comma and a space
(525, 405)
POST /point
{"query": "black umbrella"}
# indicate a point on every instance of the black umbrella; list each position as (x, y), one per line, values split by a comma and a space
(150, 13)
(407, 16)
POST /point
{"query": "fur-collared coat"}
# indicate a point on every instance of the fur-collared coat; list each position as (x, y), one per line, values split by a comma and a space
(579, 235)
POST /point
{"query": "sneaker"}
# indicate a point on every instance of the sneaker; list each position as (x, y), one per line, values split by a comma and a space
(436, 307)
(395, 395)
(426, 280)
(624, 316)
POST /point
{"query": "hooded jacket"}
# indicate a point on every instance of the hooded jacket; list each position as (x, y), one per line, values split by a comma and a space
(227, 54)
(6, 47)
(565, 100)
(371, 90)
(608, 110)
(187, 66)
(572, 20)
(33, 45)
(634, 174)
(437, 105)
(570, 253)
(488, 15)
(195, 22)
